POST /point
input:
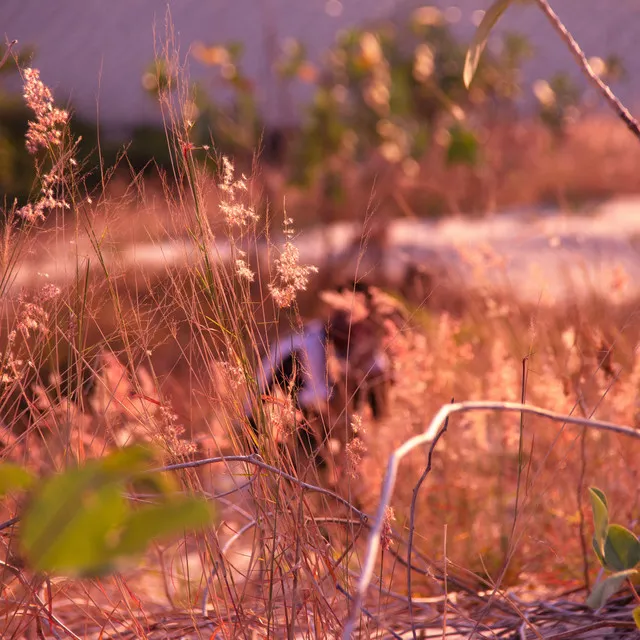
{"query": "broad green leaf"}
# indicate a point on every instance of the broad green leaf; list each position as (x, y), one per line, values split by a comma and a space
(636, 616)
(126, 462)
(600, 517)
(161, 484)
(56, 503)
(80, 506)
(621, 548)
(480, 37)
(14, 478)
(605, 589)
(161, 520)
(80, 523)
(83, 546)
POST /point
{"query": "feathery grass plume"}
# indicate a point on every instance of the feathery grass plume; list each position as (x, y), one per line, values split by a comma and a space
(386, 535)
(356, 448)
(291, 276)
(32, 314)
(45, 131)
(236, 212)
(35, 212)
(243, 271)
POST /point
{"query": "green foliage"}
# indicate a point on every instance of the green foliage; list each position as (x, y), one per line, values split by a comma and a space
(558, 100)
(621, 549)
(463, 146)
(617, 549)
(383, 91)
(608, 587)
(388, 91)
(17, 173)
(14, 478)
(600, 520)
(80, 522)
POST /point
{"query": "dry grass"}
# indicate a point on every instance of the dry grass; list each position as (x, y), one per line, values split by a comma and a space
(120, 358)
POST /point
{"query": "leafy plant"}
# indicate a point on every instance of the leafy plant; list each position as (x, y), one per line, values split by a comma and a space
(81, 522)
(387, 92)
(618, 551)
(558, 102)
(384, 92)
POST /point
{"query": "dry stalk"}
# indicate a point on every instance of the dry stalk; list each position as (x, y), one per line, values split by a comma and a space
(427, 436)
(412, 518)
(583, 63)
(256, 461)
(7, 53)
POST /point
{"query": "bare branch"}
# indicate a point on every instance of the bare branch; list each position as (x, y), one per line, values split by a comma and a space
(256, 461)
(427, 436)
(412, 517)
(583, 63)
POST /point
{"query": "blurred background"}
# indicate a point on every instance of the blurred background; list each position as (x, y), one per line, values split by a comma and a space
(335, 96)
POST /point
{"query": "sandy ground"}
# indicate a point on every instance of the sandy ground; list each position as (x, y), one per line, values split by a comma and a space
(543, 255)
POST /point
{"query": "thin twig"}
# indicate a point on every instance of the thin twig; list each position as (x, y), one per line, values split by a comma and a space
(369, 615)
(412, 518)
(9, 523)
(578, 631)
(256, 461)
(583, 63)
(445, 605)
(427, 436)
(583, 473)
(7, 53)
(523, 399)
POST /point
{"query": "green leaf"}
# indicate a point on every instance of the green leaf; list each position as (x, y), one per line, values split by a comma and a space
(84, 546)
(67, 525)
(621, 548)
(605, 589)
(161, 484)
(13, 478)
(463, 146)
(73, 515)
(600, 518)
(599, 550)
(480, 37)
(126, 462)
(79, 522)
(636, 616)
(160, 521)
(600, 494)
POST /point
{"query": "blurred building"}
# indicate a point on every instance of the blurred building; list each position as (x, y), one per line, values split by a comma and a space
(95, 52)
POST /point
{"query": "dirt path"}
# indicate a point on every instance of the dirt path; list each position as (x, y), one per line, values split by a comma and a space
(546, 255)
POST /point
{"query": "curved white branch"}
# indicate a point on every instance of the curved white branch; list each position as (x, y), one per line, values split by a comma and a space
(373, 544)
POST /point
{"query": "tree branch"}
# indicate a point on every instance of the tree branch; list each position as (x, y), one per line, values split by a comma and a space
(427, 436)
(583, 63)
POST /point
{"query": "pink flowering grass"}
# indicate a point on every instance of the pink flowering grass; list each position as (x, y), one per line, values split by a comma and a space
(46, 129)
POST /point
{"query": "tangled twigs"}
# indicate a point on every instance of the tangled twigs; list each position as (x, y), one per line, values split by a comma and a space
(427, 436)
(257, 461)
